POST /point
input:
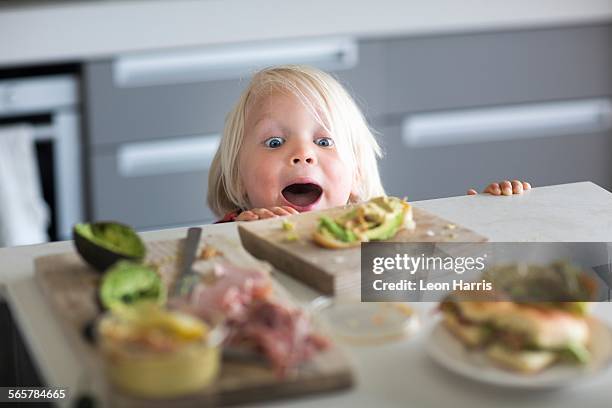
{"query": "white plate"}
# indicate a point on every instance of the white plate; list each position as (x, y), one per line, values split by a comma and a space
(450, 353)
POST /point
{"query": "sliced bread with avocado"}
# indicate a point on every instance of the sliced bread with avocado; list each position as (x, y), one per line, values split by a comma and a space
(377, 219)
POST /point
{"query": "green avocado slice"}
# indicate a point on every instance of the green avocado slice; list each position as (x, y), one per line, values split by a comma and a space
(388, 211)
(128, 282)
(577, 352)
(337, 231)
(387, 229)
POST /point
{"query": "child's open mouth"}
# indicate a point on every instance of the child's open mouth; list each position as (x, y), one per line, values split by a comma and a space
(302, 196)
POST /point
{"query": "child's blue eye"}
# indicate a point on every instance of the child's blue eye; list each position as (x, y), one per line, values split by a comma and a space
(324, 142)
(274, 142)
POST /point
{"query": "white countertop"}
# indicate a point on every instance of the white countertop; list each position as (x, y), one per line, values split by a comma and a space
(395, 374)
(71, 31)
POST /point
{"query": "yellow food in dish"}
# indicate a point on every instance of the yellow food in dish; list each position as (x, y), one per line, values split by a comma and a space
(155, 353)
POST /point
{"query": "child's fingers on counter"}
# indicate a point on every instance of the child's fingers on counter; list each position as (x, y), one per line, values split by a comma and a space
(517, 187)
(264, 213)
(506, 187)
(291, 210)
(493, 189)
(280, 211)
(247, 216)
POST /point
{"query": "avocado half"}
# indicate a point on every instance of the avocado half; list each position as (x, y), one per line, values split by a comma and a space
(101, 244)
(127, 283)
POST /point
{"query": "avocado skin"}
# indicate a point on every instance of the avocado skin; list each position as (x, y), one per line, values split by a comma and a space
(102, 255)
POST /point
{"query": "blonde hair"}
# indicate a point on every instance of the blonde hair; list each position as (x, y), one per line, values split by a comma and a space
(332, 107)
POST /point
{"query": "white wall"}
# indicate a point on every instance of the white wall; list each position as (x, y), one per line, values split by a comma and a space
(78, 31)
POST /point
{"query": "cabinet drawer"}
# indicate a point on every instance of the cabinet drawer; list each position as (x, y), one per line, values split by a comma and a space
(497, 68)
(130, 114)
(442, 171)
(118, 114)
(148, 201)
(366, 81)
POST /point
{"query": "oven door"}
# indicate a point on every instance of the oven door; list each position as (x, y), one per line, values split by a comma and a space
(57, 155)
(50, 104)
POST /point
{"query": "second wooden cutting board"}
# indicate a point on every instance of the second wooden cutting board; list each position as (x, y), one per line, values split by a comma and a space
(334, 272)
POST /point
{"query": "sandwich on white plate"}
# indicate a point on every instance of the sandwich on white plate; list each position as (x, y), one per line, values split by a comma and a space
(520, 326)
(521, 337)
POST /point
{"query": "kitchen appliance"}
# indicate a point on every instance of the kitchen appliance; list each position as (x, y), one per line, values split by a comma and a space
(50, 105)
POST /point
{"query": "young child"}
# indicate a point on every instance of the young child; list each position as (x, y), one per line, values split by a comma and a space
(296, 141)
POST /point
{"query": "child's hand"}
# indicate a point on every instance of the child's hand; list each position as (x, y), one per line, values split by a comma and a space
(263, 213)
(505, 187)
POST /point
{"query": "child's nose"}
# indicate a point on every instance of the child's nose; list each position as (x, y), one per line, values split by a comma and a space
(303, 157)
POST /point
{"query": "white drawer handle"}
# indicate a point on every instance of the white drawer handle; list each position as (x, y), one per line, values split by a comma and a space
(507, 122)
(168, 156)
(231, 61)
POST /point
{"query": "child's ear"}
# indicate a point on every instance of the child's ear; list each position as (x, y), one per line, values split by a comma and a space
(353, 198)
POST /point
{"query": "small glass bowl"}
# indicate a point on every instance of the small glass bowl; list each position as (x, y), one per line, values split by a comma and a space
(365, 322)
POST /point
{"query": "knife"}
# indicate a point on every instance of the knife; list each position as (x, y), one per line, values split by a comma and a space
(185, 279)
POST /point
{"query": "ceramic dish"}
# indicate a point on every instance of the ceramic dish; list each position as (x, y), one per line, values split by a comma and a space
(450, 353)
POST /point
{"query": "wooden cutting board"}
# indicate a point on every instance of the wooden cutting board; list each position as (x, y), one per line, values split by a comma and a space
(69, 286)
(334, 271)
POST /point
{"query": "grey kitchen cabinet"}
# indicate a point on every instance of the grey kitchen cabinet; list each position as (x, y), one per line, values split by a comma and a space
(443, 171)
(493, 68)
(366, 82)
(148, 202)
(118, 115)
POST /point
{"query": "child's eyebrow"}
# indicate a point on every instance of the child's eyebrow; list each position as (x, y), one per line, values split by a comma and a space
(263, 118)
(268, 120)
